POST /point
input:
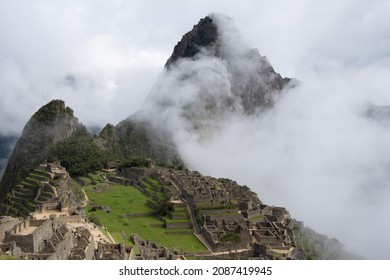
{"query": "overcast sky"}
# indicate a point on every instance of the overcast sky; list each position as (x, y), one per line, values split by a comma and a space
(103, 56)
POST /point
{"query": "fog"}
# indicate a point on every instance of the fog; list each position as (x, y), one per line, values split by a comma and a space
(316, 152)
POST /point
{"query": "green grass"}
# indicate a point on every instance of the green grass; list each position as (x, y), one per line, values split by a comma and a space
(40, 175)
(6, 257)
(127, 199)
(26, 184)
(97, 177)
(257, 218)
(121, 199)
(149, 187)
(155, 182)
(180, 211)
(168, 220)
(86, 180)
(42, 172)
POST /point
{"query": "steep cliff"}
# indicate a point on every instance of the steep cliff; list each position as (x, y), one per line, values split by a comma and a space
(252, 79)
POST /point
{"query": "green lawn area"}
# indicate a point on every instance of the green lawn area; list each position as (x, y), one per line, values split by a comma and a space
(121, 199)
(155, 182)
(159, 194)
(129, 200)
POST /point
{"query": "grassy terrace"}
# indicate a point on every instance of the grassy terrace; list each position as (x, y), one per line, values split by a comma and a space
(97, 177)
(121, 199)
(160, 195)
(258, 218)
(86, 180)
(168, 220)
(41, 172)
(129, 200)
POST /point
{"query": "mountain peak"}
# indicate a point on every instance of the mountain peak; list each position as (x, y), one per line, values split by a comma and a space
(213, 75)
(52, 111)
(203, 34)
(51, 124)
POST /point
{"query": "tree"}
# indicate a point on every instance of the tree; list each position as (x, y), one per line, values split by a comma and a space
(95, 219)
(230, 240)
(79, 154)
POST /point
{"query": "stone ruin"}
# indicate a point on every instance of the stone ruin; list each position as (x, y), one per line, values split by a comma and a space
(48, 239)
(114, 252)
(226, 207)
(151, 251)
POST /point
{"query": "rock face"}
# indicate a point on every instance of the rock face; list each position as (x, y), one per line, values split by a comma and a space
(210, 77)
(51, 124)
(204, 34)
(252, 78)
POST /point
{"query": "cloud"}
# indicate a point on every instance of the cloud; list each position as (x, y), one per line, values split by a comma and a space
(313, 151)
(46, 44)
(314, 154)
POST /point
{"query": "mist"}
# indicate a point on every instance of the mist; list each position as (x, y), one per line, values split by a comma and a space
(316, 152)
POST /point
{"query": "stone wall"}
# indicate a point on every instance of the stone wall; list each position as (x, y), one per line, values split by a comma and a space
(84, 248)
(53, 205)
(151, 204)
(90, 250)
(25, 242)
(251, 214)
(39, 257)
(70, 219)
(176, 216)
(120, 181)
(10, 248)
(33, 242)
(179, 225)
(221, 217)
(62, 250)
(180, 232)
(140, 215)
(208, 237)
(110, 251)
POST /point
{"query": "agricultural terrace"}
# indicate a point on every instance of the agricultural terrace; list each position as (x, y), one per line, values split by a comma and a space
(124, 211)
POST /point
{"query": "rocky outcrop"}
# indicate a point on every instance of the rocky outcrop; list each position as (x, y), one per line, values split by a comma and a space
(204, 34)
(50, 125)
(252, 78)
(211, 77)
